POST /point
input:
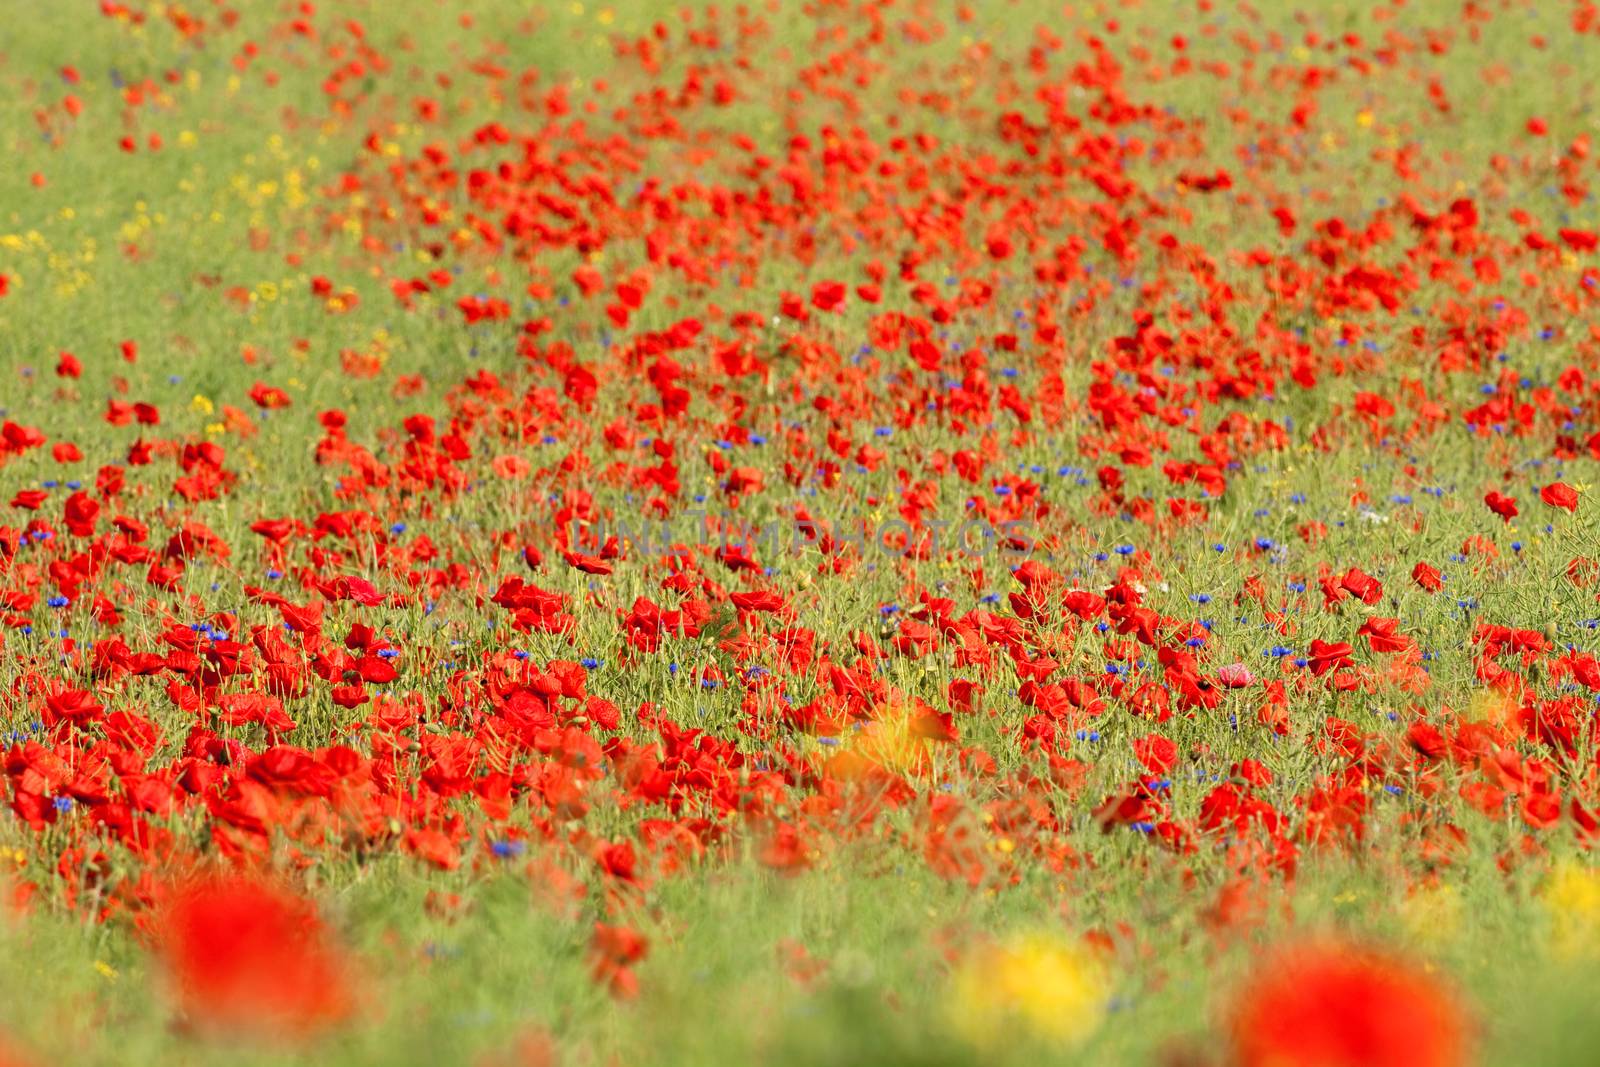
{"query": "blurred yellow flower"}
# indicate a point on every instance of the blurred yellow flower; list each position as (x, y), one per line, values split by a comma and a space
(1432, 914)
(1053, 989)
(1572, 897)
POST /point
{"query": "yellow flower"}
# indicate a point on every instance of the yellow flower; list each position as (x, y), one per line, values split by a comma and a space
(1052, 989)
(1432, 914)
(1572, 897)
(1492, 706)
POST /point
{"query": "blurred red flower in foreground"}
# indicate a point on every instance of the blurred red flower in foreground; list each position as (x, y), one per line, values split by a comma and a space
(246, 955)
(1334, 1005)
(11, 1056)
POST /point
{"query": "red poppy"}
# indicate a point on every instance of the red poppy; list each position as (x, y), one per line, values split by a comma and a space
(614, 950)
(248, 955)
(1329, 655)
(1560, 495)
(1502, 505)
(1427, 577)
(1328, 1004)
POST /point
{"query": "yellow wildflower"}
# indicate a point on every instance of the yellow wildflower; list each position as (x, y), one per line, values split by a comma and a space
(1050, 988)
(1432, 914)
(1572, 897)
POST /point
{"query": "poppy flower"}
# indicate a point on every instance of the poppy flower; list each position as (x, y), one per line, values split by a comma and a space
(245, 955)
(613, 952)
(1502, 505)
(1235, 676)
(1427, 577)
(1329, 1004)
(1560, 495)
(361, 591)
(1329, 655)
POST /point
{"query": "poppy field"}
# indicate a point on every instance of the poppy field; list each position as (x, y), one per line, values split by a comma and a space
(903, 532)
